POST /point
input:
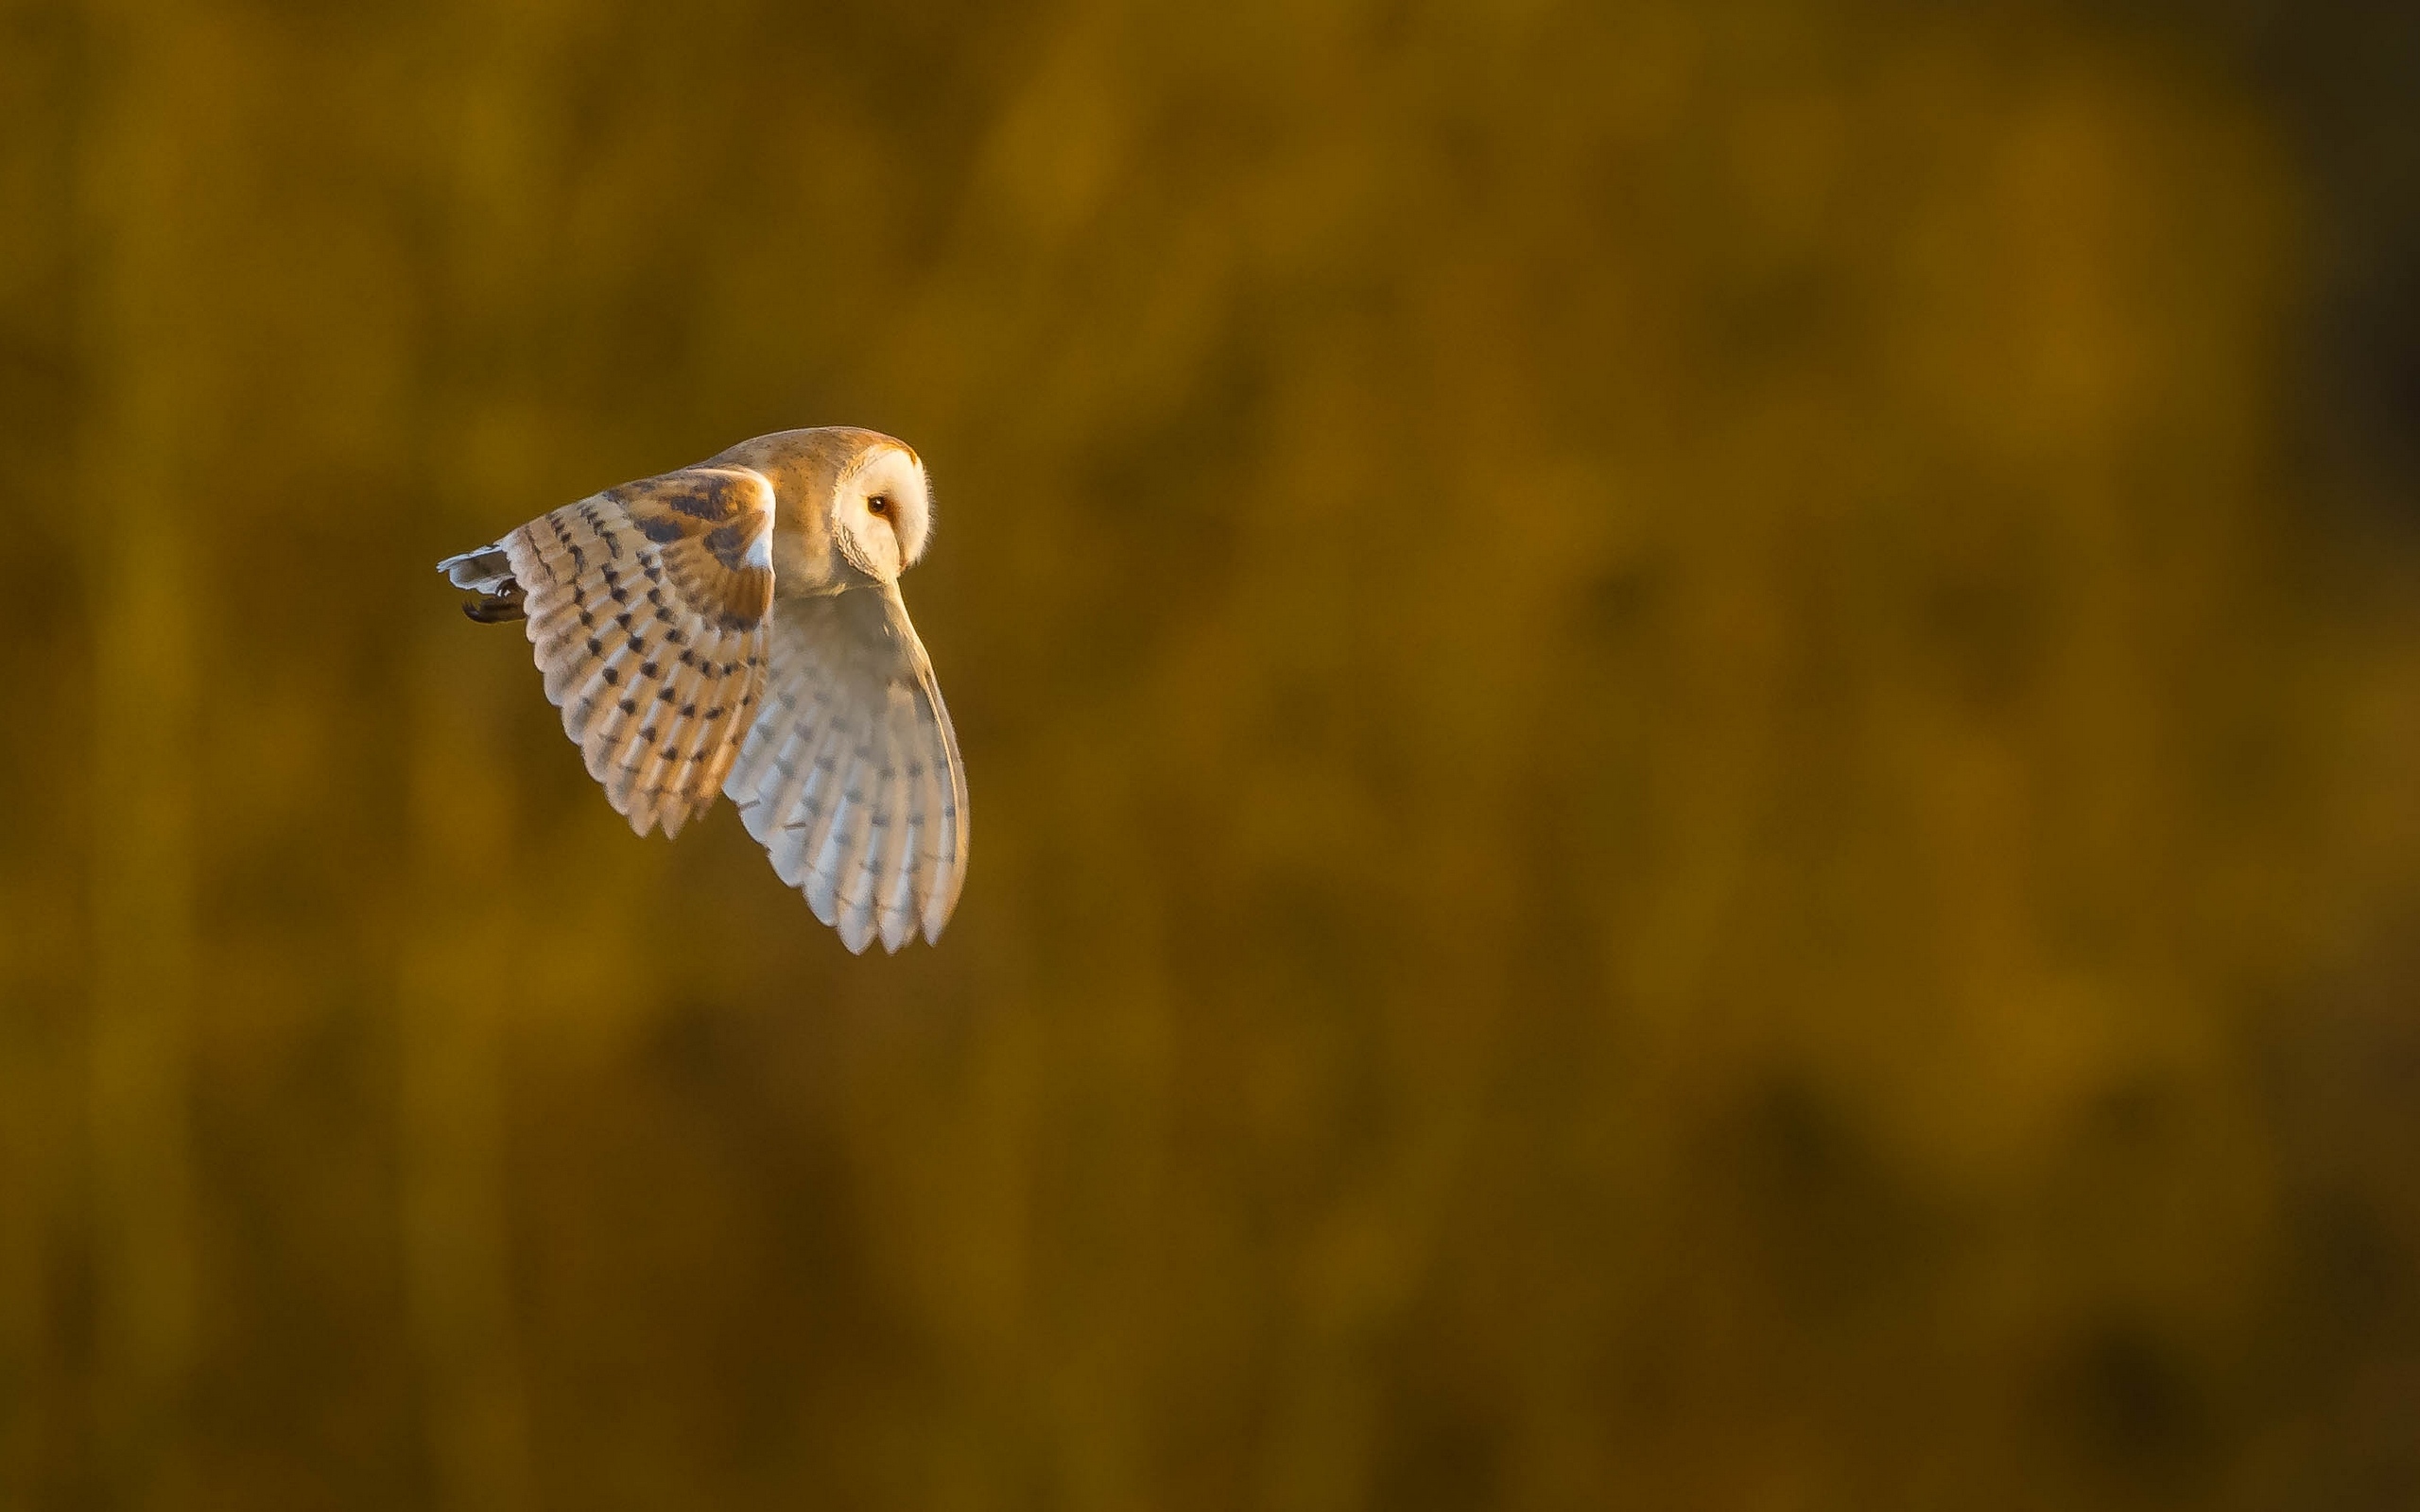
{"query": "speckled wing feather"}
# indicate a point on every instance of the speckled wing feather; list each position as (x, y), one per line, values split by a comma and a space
(649, 605)
(851, 776)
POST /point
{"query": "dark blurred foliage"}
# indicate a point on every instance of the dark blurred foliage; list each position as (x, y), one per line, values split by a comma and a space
(1693, 730)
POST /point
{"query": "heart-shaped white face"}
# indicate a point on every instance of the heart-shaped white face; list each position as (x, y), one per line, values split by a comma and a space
(882, 511)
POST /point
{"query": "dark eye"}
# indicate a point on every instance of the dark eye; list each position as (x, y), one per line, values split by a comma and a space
(879, 503)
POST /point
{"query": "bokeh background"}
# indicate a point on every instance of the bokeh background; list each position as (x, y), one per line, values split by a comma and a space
(1694, 732)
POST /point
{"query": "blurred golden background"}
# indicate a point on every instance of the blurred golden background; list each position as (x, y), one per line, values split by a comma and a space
(1692, 731)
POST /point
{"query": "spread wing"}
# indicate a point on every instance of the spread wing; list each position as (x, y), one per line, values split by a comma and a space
(649, 605)
(851, 777)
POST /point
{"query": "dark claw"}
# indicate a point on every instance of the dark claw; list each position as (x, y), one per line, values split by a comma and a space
(499, 608)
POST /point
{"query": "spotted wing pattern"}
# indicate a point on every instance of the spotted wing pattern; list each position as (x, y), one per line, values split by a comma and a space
(851, 776)
(649, 605)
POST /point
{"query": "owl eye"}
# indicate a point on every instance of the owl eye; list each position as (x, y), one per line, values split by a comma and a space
(879, 503)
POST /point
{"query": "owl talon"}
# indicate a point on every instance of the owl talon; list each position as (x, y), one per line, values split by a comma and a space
(498, 607)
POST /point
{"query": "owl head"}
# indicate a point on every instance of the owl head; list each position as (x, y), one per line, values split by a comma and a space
(881, 509)
(856, 500)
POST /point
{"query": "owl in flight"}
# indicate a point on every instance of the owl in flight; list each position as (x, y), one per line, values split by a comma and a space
(737, 625)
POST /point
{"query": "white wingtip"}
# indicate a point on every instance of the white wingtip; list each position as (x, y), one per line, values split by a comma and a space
(485, 570)
(822, 907)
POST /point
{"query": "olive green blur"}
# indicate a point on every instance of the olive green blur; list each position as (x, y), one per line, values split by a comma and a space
(1694, 742)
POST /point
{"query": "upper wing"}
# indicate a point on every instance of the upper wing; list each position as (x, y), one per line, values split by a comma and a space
(647, 605)
(851, 777)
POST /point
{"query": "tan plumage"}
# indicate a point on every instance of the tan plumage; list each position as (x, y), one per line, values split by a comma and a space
(737, 625)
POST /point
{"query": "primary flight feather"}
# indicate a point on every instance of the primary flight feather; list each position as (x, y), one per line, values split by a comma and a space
(736, 626)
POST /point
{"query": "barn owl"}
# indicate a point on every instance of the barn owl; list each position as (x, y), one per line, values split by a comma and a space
(737, 625)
